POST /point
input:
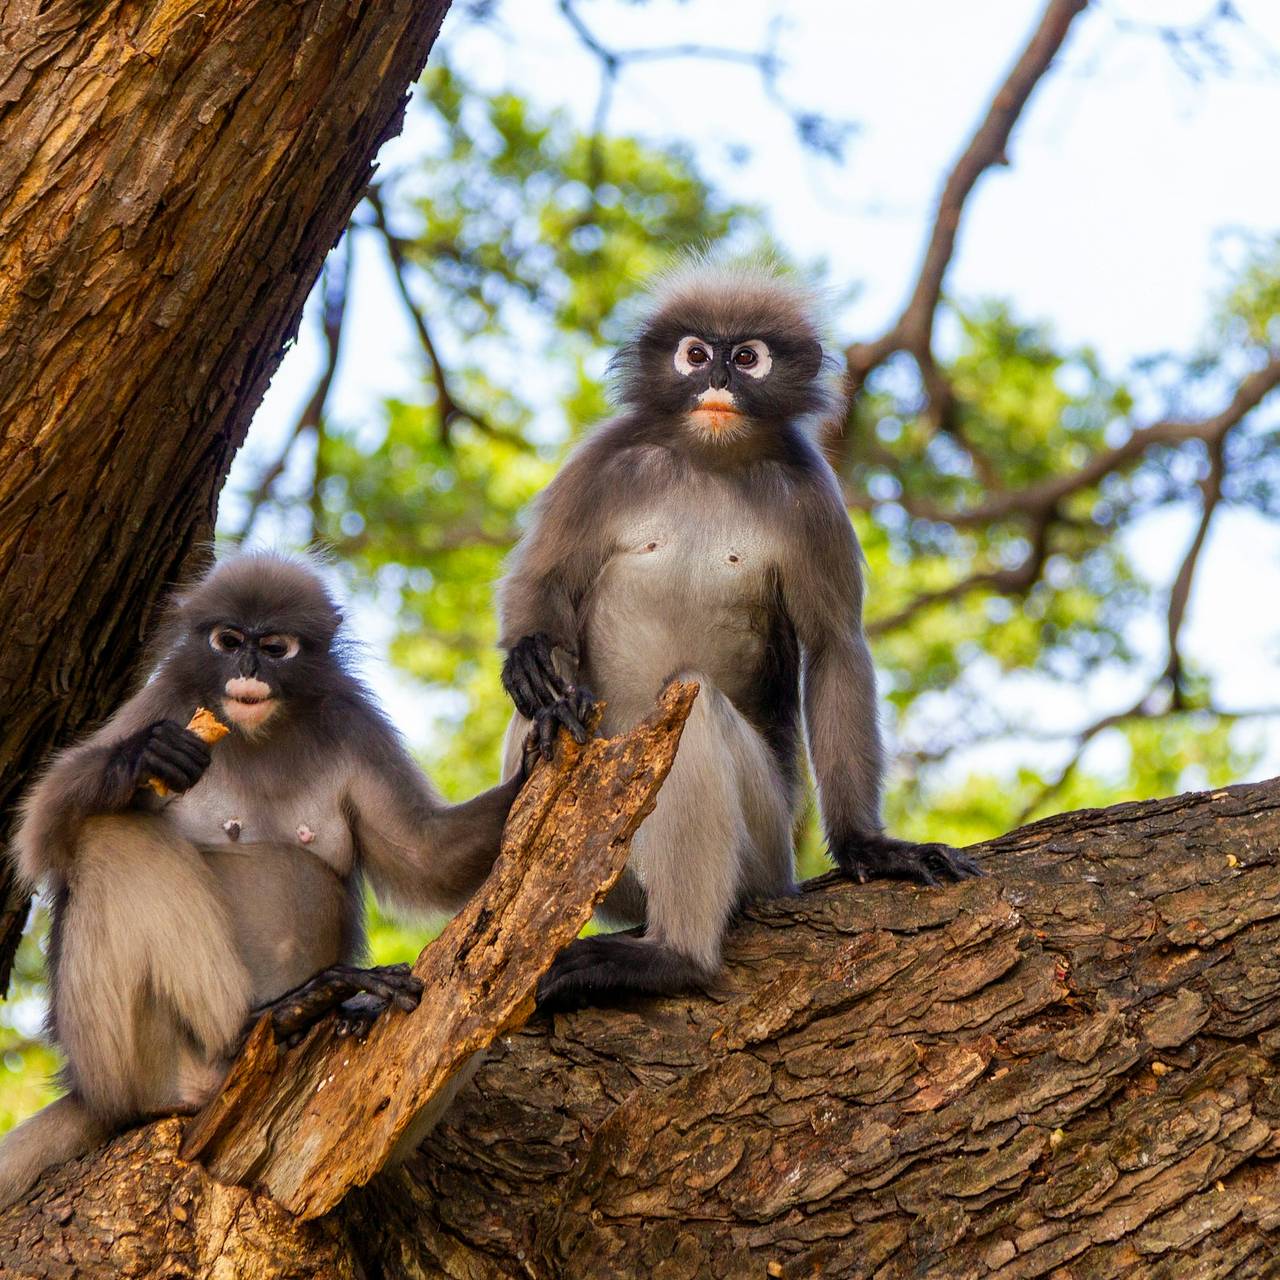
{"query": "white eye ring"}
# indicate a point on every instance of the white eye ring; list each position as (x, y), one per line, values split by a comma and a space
(764, 361)
(289, 646)
(682, 362)
(226, 639)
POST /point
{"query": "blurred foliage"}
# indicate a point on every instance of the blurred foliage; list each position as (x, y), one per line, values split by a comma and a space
(525, 241)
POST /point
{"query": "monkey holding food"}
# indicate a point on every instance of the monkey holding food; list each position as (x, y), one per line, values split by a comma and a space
(195, 887)
(701, 533)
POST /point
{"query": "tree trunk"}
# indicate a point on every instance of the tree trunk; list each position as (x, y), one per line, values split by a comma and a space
(1064, 1069)
(172, 175)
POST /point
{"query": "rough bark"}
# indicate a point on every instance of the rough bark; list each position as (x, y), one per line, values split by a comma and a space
(172, 175)
(1065, 1069)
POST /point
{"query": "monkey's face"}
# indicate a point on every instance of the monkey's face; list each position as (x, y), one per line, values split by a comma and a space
(723, 386)
(253, 667)
(717, 373)
(249, 672)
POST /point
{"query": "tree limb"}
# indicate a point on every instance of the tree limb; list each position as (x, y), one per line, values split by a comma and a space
(1065, 1068)
(449, 406)
(336, 278)
(913, 330)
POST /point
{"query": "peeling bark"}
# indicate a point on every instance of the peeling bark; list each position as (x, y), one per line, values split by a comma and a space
(172, 175)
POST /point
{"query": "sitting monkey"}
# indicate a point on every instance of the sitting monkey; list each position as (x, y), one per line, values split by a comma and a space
(177, 920)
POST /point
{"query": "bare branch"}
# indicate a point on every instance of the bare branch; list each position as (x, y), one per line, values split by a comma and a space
(451, 409)
(1169, 682)
(913, 330)
(1028, 503)
(1016, 580)
(334, 284)
(1180, 591)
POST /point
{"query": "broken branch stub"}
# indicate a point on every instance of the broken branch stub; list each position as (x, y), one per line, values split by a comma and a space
(308, 1125)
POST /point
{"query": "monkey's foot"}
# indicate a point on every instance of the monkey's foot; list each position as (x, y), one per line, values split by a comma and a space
(296, 1012)
(591, 971)
(879, 857)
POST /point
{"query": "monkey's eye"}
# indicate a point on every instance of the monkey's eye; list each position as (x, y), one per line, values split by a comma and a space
(226, 639)
(691, 355)
(752, 358)
(279, 647)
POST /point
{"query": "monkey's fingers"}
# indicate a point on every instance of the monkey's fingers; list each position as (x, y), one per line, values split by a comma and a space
(582, 700)
(544, 731)
(537, 684)
(178, 755)
(530, 674)
(393, 983)
(528, 703)
(176, 775)
(357, 1016)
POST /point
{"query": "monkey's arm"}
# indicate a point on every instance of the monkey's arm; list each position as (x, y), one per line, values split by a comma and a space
(419, 853)
(822, 590)
(104, 774)
(540, 597)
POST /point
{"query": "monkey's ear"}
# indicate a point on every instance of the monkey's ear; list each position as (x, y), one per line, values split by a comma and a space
(809, 357)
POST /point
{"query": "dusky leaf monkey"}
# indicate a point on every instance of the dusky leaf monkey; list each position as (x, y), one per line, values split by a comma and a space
(177, 921)
(701, 533)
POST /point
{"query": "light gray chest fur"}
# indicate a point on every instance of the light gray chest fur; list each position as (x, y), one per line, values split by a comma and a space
(226, 808)
(686, 589)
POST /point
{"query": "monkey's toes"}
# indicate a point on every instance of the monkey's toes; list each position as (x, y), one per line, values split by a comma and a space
(885, 858)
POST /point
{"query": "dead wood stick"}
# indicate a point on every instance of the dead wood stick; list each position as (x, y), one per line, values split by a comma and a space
(308, 1125)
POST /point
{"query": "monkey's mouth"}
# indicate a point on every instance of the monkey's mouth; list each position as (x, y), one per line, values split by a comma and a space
(717, 413)
(248, 703)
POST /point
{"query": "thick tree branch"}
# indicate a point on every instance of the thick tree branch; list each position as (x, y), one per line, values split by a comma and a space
(1066, 1067)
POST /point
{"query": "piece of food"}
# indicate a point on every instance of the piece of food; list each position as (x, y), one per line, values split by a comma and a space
(208, 728)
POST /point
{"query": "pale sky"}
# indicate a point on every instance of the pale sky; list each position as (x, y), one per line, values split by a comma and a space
(1126, 176)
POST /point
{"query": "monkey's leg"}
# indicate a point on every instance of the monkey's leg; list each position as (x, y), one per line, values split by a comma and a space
(720, 832)
(149, 992)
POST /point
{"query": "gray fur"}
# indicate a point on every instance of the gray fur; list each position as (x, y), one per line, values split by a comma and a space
(664, 545)
(168, 931)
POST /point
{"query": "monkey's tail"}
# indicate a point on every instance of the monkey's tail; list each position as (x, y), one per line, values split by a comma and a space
(60, 1131)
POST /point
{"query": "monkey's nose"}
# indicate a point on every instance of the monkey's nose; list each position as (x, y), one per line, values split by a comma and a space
(719, 377)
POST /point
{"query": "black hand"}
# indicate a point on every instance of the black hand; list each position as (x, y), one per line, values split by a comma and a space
(296, 1012)
(165, 751)
(881, 857)
(572, 711)
(529, 675)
